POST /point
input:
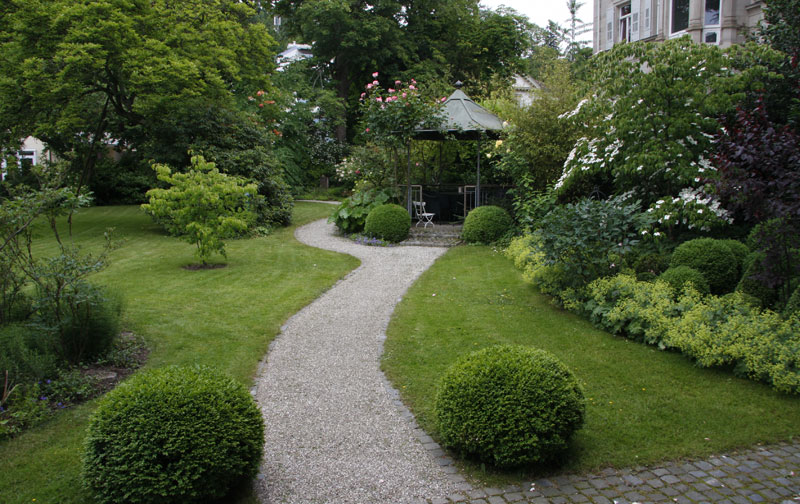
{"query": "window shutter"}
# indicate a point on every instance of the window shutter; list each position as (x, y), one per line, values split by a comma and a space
(610, 27)
(635, 9)
(647, 20)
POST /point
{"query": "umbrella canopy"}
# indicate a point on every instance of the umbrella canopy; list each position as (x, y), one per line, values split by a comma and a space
(464, 120)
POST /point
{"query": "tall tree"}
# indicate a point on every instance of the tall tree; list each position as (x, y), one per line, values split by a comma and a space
(432, 40)
(76, 74)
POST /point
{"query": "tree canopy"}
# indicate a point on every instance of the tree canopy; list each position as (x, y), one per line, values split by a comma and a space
(78, 73)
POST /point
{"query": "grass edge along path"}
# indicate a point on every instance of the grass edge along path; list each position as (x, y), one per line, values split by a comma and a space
(225, 318)
(643, 405)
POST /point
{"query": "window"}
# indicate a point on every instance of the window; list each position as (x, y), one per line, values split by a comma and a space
(625, 23)
(27, 157)
(680, 15)
(712, 13)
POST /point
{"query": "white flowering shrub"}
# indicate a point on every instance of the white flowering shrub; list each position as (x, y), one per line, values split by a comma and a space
(652, 120)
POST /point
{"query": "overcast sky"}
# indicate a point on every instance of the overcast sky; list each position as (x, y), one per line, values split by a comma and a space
(540, 11)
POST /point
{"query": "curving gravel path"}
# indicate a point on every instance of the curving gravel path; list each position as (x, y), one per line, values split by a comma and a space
(333, 430)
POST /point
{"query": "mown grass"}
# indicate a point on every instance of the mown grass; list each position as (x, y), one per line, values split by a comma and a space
(224, 318)
(644, 405)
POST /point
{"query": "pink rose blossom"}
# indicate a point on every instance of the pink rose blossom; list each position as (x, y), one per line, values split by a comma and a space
(363, 95)
(398, 82)
(411, 87)
(444, 98)
(375, 74)
(366, 130)
(404, 95)
(379, 99)
(369, 86)
(391, 90)
(375, 83)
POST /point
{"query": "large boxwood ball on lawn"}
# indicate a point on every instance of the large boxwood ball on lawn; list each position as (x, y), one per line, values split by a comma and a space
(388, 222)
(509, 406)
(172, 435)
(713, 258)
(486, 224)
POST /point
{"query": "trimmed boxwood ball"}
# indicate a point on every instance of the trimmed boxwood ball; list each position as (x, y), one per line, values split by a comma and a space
(677, 277)
(713, 258)
(486, 224)
(740, 251)
(388, 222)
(509, 406)
(172, 435)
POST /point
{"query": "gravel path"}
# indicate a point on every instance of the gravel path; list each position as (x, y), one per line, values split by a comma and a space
(333, 430)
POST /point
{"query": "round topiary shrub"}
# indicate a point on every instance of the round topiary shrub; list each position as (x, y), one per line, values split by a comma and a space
(509, 406)
(713, 258)
(740, 252)
(177, 434)
(486, 224)
(677, 277)
(388, 222)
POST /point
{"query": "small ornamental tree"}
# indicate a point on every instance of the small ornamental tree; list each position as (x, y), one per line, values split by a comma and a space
(202, 206)
(652, 121)
(390, 117)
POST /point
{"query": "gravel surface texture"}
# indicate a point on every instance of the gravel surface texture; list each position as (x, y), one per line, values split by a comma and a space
(334, 432)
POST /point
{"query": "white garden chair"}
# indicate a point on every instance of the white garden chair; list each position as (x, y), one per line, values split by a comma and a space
(423, 217)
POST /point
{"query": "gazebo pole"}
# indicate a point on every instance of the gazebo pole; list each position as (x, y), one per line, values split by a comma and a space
(408, 175)
(478, 184)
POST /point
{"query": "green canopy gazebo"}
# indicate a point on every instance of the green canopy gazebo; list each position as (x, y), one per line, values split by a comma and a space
(463, 119)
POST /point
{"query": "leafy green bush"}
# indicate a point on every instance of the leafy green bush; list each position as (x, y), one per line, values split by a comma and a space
(641, 311)
(651, 262)
(509, 405)
(83, 320)
(727, 331)
(713, 258)
(712, 330)
(527, 254)
(203, 206)
(486, 224)
(26, 354)
(751, 282)
(793, 306)
(591, 239)
(678, 276)
(177, 434)
(388, 222)
(351, 215)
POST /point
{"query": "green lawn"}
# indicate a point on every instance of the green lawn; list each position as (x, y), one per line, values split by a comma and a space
(224, 318)
(644, 405)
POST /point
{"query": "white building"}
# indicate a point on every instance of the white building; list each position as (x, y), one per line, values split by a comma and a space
(524, 87)
(294, 52)
(31, 151)
(721, 22)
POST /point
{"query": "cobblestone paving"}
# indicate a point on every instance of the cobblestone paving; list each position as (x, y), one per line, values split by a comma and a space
(768, 474)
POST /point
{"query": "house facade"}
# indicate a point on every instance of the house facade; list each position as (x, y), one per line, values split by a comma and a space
(719, 22)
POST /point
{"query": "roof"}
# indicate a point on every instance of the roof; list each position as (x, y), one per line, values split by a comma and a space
(464, 119)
